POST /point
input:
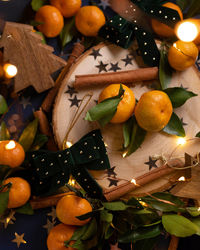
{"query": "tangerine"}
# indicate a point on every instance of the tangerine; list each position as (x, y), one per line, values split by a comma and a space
(162, 29)
(71, 206)
(68, 8)
(20, 191)
(182, 55)
(58, 235)
(126, 106)
(153, 110)
(89, 20)
(51, 20)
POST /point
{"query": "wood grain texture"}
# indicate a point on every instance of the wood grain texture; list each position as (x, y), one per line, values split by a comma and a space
(34, 60)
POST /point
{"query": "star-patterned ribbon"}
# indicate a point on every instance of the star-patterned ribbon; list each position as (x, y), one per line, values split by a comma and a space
(52, 170)
(122, 32)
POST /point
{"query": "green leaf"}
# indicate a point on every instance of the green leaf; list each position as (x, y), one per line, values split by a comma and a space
(174, 126)
(140, 234)
(108, 232)
(164, 202)
(3, 105)
(25, 209)
(115, 205)
(165, 71)
(106, 216)
(193, 211)
(36, 4)
(137, 137)
(43, 37)
(4, 170)
(127, 129)
(28, 135)
(198, 134)
(91, 230)
(68, 31)
(196, 221)
(89, 215)
(4, 201)
(178, 225)
(104, 111)
(4, 133)
(79, 245)
(194, 9)
(39, 142)
(134, 202)
(178, 96)
(146, 244)
(79, 232)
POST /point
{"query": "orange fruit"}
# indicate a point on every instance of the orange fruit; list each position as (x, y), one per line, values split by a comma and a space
(126, 106)
(153, 110)
(70, 206)
(51, 19)
(58, 235)
(68, 8)
(20, 192)
(89, 19)
(182, 55)
(12, 153)
(162, 29)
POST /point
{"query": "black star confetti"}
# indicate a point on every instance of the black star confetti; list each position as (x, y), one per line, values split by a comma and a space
(110, 172)
(71, 91)
(114, 67)
(74, 101)
(102, 67)
(127, 60)
(183, 123)
(113, 182)
(151, 163)
(95, 53)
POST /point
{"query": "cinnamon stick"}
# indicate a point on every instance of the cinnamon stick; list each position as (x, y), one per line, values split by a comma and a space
(126, 77)
(173, 245)
(119, 191)
(49, 99)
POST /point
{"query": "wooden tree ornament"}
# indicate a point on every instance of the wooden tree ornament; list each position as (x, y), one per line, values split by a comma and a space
(34, 60)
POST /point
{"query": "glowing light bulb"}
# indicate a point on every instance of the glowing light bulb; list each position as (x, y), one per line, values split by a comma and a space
(187, 31)
(182, 178)
(10, 70)
(68, 144)
(124, 154)
(72, 182)
(133, 181)
(10, 145)
(181, 141)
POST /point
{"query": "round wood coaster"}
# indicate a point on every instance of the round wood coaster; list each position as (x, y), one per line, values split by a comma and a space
(156, 146)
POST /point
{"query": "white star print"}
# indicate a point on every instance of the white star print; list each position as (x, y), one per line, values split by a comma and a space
(104, 4)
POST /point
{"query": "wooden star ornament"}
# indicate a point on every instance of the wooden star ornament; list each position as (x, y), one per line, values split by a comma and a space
(34, 61)
(19, 239)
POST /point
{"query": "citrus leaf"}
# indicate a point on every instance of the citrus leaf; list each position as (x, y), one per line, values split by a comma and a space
(127, 129)
(193, 211)
(137, 137)
(79, 232)
(25, 209)
(106, 216)
(165, 71)
(4, 170)
(178, 225)
(178, 96)
(108, 233)
(174, 126)
(4, 201)
(146, 244)
(79, 245)
(104, 111)
(196, 221)
(134, 202)
(28, 135)
(36, 4)
(91, 230)
(39, 142)
(68, 31)
(3, 105)
(115, 205)
(4, 133)
(140, 234)
(198, 134)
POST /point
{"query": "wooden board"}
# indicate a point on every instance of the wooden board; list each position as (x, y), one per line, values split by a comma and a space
(110, 58)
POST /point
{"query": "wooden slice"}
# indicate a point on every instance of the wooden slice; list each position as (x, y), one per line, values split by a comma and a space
(107, 58)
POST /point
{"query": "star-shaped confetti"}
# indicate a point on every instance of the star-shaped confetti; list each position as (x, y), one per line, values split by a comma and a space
(183, 123)
(113, 182)
(151, 163)
(49, 225)
(19, 239)
(104, 4)
(74, 101)
(95, 53)
(102, 66)
(114, 67)
(25, 101)
(8, 220)
(52, 214)
(127, 60)
(110, 172)
(71, 91)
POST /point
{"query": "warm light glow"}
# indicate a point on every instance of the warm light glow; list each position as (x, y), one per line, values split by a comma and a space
(144, 204)
(182, 178)
(72, 182)
(10, 145)
(106, 145)
(10, 70)
(198, 209)
(181, 141)
(187, 31)
(124, 154)
(133, 181)
(68, 144)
